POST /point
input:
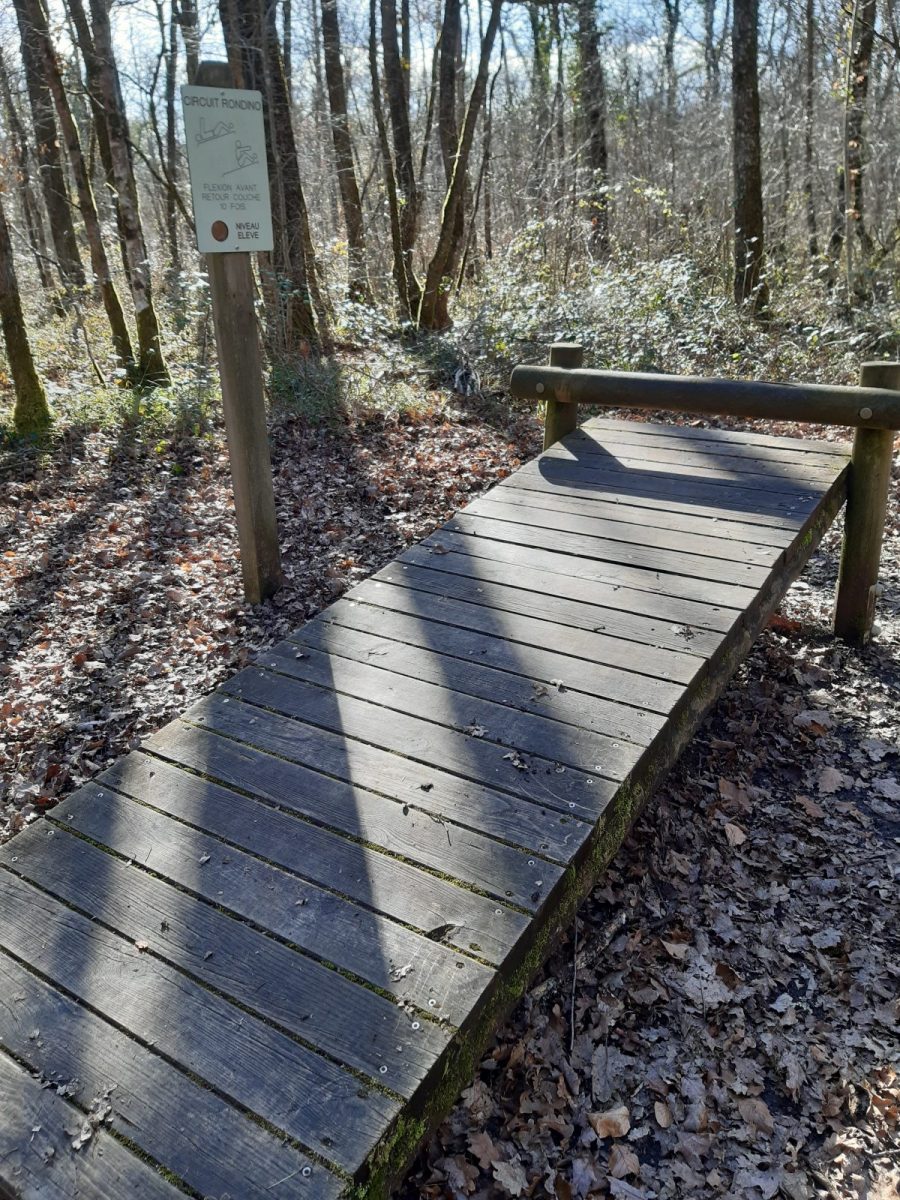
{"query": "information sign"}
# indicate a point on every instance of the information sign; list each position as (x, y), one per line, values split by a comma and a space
(226, 150)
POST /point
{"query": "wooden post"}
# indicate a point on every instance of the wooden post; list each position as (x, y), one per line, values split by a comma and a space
(232, 291)
(867, 498)
(561, 418)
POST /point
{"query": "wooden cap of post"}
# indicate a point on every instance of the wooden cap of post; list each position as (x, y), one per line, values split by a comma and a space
(561, 417)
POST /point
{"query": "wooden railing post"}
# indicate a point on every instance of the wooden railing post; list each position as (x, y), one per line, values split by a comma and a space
(867, 498)
(561, 418)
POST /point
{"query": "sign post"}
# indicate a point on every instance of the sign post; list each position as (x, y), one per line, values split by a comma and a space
(226, 150)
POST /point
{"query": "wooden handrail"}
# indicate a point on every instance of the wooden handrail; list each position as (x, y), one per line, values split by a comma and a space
(876, 406)
(872, 409)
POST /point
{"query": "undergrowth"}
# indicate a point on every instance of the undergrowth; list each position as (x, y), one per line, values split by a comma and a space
(671, 315)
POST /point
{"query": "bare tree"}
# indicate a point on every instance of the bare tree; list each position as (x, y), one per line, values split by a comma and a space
(49, 158)
(749, 248)
(357, 267)
(396, 75)
(592, 112)
(434, 307)
(52, 72)
(31, 209)
(31, 413)
(151, 365)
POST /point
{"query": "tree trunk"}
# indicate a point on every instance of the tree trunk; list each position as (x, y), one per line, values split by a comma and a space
(190, 34)
(396, 74)
(357, 268)
(711, 51)
(287, 43)
(387, 158)
(592, 111)
(448, 126)
(31, 413)
(672, 10)
(749, 249)
(49, 159)
(809, 114)
(31, 209)
(172, 148)
(433, 310)
(152, 368)
(862, 38)
(99, 262)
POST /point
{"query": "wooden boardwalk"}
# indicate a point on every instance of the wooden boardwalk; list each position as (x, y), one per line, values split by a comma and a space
(266, 951)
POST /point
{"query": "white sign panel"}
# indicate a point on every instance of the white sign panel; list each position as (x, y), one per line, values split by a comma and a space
(226, 149)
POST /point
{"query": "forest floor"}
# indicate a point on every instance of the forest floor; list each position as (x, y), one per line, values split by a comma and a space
(723, 1019)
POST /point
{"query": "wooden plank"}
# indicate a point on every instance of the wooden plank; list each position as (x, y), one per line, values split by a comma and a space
(653, 500)
(595, 525)
(682, 639)
(669, 562)
(427, 836)
(218, 1152)
(451, 554)
(746, 437)
(713, 528)
(37, 1158)
(319, 922)
(681, 464)
(539, 780)
(485, 719)
(519, 659)
(297, 993)
(476, 679)
(657, 586)
(384, 884)
(656, 662)
(724, 454)
(446, 798)
(671, 484)
(246, 1060)
(605, 448)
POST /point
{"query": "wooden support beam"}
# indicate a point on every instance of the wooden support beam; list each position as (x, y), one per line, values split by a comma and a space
(561, 418)
(232, 291)
(873, 406)
(867, 498)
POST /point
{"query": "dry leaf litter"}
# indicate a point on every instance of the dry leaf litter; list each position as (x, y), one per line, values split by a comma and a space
(723, 1018)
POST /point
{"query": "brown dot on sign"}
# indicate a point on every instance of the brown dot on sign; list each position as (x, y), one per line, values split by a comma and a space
(219, 231)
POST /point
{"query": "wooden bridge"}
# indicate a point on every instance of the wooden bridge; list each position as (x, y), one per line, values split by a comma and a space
(261, 956)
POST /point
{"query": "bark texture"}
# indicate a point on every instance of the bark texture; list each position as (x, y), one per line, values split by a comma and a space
(357, 268)
(151, 365)
(749, 248)
(49, 158)
(592, 111)
(31, 413)
(99, 262)
(434, 307)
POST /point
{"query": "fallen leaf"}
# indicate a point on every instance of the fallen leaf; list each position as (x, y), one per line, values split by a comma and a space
(622, 1162)
(613, 1123)
(734, 833)
(663, 1114)
(511, 1177)
(756, 1113)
